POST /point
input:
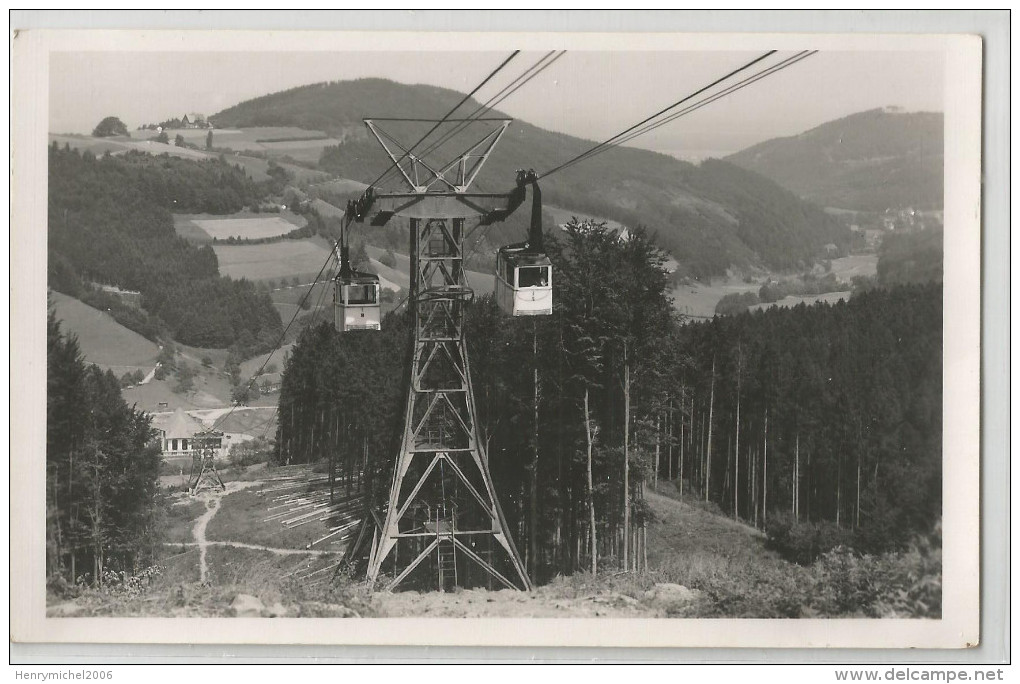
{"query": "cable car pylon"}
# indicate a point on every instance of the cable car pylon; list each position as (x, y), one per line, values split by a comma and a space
(443, 525)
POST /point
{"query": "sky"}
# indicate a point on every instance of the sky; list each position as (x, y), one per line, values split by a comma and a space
(590, 94)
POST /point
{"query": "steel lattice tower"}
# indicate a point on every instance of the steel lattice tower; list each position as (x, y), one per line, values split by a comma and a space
(443, 522)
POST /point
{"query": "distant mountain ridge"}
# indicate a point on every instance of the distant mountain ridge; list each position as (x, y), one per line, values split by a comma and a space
(870, 161)
(709, 216)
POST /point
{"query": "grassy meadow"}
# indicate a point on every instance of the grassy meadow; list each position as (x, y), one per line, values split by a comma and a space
(104, 341)
(272, 261)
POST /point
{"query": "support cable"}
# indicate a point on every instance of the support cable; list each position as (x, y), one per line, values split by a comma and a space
(495, 100)
(658, 113)
(788, 62)
(279, 342)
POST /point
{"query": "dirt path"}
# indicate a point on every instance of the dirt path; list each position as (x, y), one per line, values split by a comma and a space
(212, 500)
(255, 547)
(212, 505)
(148, 378)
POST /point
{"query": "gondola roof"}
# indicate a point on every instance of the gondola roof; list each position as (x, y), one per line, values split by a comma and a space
(521, 255)
(357, 277)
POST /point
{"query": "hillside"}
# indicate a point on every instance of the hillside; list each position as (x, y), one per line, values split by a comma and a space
(103, 340)
(110, 222)
(700, 564)
(708, 216)
(870, 161)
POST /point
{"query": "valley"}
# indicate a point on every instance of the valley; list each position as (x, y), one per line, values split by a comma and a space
(628, 461)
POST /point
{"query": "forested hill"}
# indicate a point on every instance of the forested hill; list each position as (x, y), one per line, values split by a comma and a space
(870, 161)
(110, 224)
(708, 216)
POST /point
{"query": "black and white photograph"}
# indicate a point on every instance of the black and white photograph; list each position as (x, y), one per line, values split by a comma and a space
(614, 332)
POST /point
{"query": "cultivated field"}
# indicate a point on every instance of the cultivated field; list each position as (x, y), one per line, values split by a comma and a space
(104, 341)
(327, 210)
(306, 151)
(143, 141)
(268, 226)
(288, 258)
(698, 299)
(847, 267)
(343, 186)
(277, 141)
(97, 146)
(202, 228)
(236, 138)
(120, 144)
(257, 169)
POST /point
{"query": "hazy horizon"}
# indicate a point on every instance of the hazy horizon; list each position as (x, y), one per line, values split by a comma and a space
(591, 95)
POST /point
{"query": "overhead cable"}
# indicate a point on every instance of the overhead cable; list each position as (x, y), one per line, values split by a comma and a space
(754, 78)
(658, 113)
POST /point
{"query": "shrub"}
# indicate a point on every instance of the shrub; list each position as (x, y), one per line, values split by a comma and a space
(249, 453)
(132, 378)
(846, 583)
(741, 586)
(803, 542)
(906, 584)
(114, 582)
(168, 356)
(240, 395)
(912, 580)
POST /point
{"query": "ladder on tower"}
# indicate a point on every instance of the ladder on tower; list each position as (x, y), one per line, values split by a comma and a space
(446, 552)
(447, 563)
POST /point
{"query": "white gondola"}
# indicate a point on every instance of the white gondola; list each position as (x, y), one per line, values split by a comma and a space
(355, 298)
(524, 284)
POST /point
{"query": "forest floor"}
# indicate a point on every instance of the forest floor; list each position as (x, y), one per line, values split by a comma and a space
(228, 567)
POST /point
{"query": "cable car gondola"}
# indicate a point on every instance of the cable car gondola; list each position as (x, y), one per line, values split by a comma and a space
(523, 271)
(356, 301)
(355, 296)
